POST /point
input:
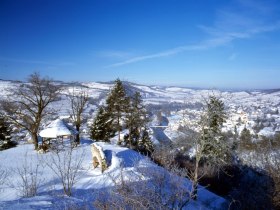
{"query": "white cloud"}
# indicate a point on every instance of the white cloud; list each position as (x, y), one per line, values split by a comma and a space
(228, 26)
(114, 54)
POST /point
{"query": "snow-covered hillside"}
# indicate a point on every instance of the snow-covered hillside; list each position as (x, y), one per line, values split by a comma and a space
(123, 164)
(257, 110)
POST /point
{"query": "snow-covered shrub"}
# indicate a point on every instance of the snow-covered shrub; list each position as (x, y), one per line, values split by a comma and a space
(66, 165)
(146, 189)
(28, 180)
(164, 155)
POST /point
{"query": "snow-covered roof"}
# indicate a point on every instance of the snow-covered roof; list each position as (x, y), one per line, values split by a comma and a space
(58, 128)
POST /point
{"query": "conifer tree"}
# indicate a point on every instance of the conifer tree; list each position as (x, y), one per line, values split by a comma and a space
(136, 119)
(215, 147)
(117, 105)
(119, 112)
(246, 140)
(5, 134)
(216, 114)
(101, 129)
(210, 145)
(145, 144)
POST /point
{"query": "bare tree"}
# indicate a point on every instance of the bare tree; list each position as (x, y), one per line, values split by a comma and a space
(3, 175)
(27, 105)
(78, 102)
(66, 164)
(29, 180)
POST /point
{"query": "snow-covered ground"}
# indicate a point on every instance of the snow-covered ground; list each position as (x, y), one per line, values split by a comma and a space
(90, 181)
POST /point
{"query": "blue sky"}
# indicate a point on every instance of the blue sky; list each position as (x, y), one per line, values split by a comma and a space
(194, 43)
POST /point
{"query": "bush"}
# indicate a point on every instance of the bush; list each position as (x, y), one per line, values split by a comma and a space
(5, 134)
(43, 148)
(8, 145)
(66, 164)
(29, 180)
(149, 189)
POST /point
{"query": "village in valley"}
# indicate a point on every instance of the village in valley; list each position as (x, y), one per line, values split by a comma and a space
(258, 111)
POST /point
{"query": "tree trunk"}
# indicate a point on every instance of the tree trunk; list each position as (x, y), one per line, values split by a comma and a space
(194, 193)
(78, 135)
(195, 180)
(129, 137)
(119, 137)
(35, 140)
(119, 131)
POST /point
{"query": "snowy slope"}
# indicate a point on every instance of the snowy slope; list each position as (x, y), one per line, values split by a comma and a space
(6, 87)
(90, 180)
(167, 94)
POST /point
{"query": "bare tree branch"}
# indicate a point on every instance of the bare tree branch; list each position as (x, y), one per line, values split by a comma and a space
(78, 101)
(26, 107)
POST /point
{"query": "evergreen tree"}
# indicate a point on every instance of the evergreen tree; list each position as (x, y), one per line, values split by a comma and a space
(215, 113)
(210, 145)
(145, 144)
(117, 105)
(5, 132)
(121, 112)
(5, 135)
(246, 140)
(215, 147)
(101, 129)
(136, 120)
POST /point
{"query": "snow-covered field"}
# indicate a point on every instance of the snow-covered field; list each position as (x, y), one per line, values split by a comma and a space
(90, 181)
